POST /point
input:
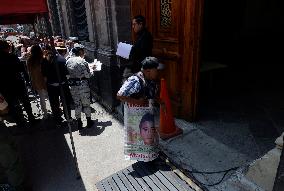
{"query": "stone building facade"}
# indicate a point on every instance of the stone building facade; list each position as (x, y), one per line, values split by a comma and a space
(100, 25)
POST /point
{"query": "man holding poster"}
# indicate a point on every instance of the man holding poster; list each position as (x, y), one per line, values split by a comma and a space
(138, 93)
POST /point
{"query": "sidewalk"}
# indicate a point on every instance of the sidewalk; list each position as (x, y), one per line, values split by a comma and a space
(233, 131)
(100, 153)
(195, 151)
(48, 159)
(216, 166)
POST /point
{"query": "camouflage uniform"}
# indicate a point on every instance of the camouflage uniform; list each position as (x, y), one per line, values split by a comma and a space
(79, 85)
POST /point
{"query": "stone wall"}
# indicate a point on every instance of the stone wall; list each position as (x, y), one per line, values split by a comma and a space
(62, 18)
(54, 17)
(123, 20)
(109, 23)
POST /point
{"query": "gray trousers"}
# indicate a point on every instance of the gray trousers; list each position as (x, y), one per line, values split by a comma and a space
(81, 95)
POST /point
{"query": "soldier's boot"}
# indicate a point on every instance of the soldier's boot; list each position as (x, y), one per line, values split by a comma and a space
(80, 124)
(90, 123)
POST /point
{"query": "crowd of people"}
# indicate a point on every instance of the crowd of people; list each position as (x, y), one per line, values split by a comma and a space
(54, 70)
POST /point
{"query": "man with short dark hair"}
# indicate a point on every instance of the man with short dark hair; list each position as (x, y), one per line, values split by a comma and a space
(141, 86)
(139, 90)
(54, 71)
(142, 47)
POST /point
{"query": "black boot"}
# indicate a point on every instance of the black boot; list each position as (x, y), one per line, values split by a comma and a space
(80, 124)
(32, 120)
(90, 123)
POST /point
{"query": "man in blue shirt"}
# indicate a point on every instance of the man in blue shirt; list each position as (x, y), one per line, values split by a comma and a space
(140, 87)
(138, 91)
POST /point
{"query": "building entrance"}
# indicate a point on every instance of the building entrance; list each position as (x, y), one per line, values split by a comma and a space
(240, 92)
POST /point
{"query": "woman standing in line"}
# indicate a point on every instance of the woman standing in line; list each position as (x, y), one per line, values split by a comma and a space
(34, 67)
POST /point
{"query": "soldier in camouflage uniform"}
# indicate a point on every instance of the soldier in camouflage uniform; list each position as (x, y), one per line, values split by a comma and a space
(79, 84)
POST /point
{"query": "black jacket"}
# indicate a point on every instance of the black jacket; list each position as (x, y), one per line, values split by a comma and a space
(50, 72)
(141, 49)
(11, 70)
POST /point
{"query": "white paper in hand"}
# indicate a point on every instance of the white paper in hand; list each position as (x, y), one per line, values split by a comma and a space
(95, 66)
(123, 50)
(98, 65)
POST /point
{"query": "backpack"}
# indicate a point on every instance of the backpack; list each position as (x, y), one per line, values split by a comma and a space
(141, 93)
(148, 89)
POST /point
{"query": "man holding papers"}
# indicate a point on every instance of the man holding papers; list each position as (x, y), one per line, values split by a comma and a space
(142, 47)
(80, 74)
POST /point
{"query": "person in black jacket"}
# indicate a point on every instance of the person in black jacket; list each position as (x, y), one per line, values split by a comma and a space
(142, 47)
(55, 73)
(12, 85)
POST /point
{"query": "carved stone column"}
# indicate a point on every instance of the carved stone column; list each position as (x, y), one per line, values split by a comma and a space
(104, 16)
(66, 17)
(69, 14)
(79, 11)
(61, 20)
(54, 17)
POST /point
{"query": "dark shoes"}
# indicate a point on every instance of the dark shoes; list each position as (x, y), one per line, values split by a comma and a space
(90, 123)
(58, 119)
(79, 124)
(33, 121)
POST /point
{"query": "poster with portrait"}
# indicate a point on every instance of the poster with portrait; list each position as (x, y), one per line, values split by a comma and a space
(141, 137)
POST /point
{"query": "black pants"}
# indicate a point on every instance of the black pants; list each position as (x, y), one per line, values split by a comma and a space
(15, 98)
(54, 95)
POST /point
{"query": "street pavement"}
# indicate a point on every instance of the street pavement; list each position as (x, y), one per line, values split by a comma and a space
(48, 159)
(230, 134)
(210, 150)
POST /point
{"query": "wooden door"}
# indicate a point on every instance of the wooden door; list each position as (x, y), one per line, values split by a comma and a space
(175, 25)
